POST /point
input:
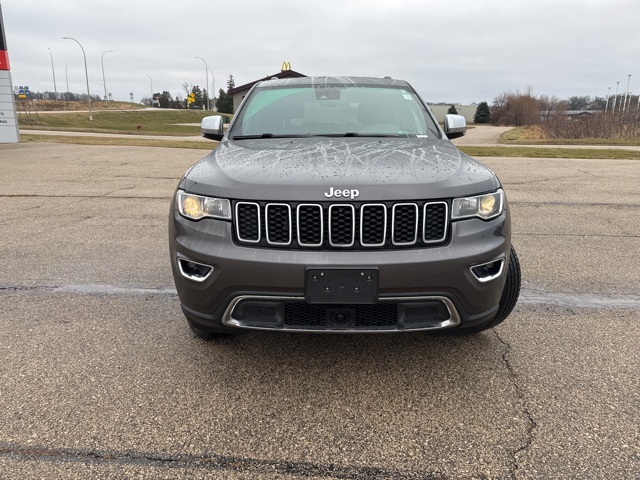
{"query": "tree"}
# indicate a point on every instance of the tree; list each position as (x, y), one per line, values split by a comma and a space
(483, 113)
(598, 103)
(224, 102)
(452, 110)
(165, 100)
(579, 103)
(517, 109)
(231, 83)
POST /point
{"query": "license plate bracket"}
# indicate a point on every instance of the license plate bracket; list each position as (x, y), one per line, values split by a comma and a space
(341, 285)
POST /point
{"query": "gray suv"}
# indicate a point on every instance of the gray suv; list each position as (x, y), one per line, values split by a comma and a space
(338, 204)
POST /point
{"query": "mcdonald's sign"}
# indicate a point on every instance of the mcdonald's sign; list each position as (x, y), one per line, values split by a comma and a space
(285, 66)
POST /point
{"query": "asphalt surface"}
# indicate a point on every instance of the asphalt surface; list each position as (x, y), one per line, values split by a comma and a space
(100, 376)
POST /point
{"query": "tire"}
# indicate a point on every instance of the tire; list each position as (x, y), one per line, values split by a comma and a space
(508, 300)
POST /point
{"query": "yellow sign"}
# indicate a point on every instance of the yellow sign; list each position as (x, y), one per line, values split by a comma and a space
(285, 66)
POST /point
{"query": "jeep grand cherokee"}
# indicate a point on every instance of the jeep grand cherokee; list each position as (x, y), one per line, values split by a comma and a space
(340, 205)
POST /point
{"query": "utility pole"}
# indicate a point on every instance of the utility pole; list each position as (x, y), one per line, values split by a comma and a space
(615, 99)
(67, 78)
(151, 82)
(624, 104)
(607, 104)
(55, 89)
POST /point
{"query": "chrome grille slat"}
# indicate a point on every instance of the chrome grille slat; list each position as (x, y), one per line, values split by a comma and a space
(401, 231)
(248, 226)
(431, 226)
(369, 219)
(274, 213)
(304, 214)
(357, 225)
(342, 225)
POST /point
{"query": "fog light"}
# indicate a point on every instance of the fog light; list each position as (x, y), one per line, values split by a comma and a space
(198, 272)
(488, 271)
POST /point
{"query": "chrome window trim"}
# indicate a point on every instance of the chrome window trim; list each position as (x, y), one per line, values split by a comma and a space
(384, 233)
(353, 225)
(424, 222)
(319, 207)
(453, 320)
(237, 219)
(393, 224)
(266, 222)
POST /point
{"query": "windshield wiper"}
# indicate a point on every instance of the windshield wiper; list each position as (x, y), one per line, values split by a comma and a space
(265, 135)
(355, 134)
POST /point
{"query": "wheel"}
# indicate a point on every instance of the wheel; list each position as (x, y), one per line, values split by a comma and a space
(511, 290)
(208, 334)
(508, 300)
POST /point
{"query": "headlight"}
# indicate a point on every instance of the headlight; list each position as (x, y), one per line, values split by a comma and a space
(196, 207)
(485, 206)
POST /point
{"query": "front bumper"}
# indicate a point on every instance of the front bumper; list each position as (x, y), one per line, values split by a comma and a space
(440, 277)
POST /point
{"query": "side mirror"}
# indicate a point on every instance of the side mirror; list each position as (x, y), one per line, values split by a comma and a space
(211, 127)
(454, 126)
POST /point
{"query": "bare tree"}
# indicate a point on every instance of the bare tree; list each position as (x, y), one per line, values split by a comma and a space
(516, 109)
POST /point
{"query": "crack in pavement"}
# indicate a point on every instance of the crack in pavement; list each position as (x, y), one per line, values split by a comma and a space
(520, 394)
(212, 461)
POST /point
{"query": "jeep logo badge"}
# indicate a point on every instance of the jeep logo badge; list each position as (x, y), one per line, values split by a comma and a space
(342, 193)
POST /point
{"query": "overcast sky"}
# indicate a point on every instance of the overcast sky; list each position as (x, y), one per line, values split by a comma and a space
(452, 51)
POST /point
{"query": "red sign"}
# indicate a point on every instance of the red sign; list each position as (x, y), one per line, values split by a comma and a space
(4, 60)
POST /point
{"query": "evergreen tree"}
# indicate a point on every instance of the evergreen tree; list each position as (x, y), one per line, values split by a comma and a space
(452, 110)
(224, 102)
(483, 113)
(198, 98)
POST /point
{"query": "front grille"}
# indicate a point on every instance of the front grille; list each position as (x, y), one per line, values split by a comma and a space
(341, 225)
(305, 315)
(390, 314)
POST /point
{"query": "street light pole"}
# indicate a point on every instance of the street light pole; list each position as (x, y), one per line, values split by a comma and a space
(624, 104)
(606, 105)
(213, 89)
(151, 82)
(104, 82)
(67, 78)
(55, 89)
(206, 71)
(86, 73)
(615, 99)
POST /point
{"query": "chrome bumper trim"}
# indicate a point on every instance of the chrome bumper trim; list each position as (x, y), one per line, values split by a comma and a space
(452, 321)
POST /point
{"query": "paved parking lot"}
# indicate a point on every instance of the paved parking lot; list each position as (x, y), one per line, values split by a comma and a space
(100, 376)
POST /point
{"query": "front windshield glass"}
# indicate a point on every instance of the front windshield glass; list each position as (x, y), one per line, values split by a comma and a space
(333, 110)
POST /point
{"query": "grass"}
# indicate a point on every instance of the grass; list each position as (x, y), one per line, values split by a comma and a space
(530, 136)
(163, 122)
(153, 122)
(532, 152)
(118, 142)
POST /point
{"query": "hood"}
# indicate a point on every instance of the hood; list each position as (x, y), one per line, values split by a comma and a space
(302, 169)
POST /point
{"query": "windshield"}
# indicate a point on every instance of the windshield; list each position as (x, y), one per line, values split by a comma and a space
(333, 110)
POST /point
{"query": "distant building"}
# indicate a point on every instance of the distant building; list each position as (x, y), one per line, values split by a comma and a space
(239, 93)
